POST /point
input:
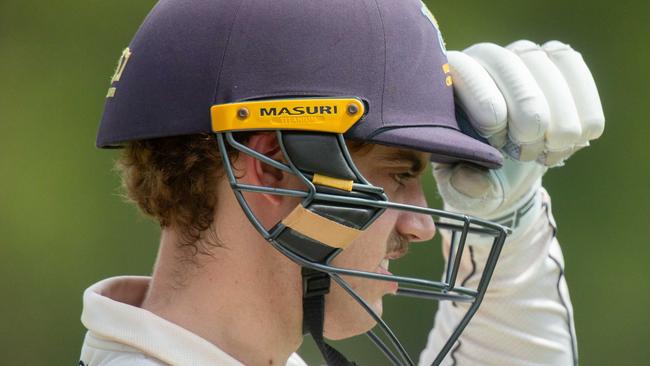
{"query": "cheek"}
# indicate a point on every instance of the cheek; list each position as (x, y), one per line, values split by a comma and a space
(369, 248)
(343, 316)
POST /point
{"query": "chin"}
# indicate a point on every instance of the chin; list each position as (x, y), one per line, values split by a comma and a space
(350, 330)
(352, 323)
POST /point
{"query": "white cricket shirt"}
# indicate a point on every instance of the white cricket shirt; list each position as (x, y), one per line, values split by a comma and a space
(120, 333)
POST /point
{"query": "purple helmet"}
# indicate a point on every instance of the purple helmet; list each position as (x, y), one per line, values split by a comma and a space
(376, 67)
(190, 55)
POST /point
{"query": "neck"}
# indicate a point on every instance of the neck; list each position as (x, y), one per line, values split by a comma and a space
(245, 298)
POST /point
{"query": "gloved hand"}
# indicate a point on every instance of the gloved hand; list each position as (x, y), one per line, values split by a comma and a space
(537, 104)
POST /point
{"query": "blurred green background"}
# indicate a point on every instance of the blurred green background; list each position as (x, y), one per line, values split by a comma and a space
(63, 225)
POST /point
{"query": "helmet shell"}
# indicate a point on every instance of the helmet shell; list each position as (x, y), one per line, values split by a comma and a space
(191, 54)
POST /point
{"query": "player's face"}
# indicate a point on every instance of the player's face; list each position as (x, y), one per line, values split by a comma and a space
(398, 172)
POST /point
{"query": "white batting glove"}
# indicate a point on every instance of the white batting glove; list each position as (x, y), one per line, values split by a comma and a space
(537, 104)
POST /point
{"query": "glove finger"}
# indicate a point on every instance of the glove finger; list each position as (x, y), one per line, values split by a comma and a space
(479, 97)
(528, 112)
(582, 86)
(468, 188)
(556, 158)
(564, 129)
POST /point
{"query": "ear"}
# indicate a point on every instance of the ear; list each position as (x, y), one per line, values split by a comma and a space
(262, 174)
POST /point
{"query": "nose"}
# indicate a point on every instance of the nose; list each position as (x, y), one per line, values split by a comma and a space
(415, 226)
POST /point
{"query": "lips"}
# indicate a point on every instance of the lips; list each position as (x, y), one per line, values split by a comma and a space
(383, 269)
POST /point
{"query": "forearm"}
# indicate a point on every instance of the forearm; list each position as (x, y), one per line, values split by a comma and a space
(526, 316)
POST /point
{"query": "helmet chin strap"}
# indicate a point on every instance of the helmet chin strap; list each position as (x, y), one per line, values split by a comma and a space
(316, 285)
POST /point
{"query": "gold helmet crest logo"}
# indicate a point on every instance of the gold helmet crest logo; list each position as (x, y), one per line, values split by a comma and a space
(121, 65)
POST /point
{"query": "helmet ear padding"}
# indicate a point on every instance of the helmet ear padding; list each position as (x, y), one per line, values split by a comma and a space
(306, 152)
(305, 246)
(317, 153)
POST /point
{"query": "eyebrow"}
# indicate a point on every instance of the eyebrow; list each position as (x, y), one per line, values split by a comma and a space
(406, 157)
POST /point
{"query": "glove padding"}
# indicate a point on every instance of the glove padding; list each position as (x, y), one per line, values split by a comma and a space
(537, 104)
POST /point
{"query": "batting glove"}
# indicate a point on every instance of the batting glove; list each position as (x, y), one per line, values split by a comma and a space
(537, 104)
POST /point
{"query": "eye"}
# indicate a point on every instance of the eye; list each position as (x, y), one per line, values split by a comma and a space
(403, 178)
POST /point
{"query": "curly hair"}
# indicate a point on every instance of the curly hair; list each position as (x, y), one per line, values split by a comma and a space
(174, 181)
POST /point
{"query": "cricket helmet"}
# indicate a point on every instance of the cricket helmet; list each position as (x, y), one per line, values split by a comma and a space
(316, 73)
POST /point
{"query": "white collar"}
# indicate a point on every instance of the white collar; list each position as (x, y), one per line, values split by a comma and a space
(111, 310)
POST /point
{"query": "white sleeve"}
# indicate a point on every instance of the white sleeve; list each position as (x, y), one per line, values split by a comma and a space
(526, 317)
